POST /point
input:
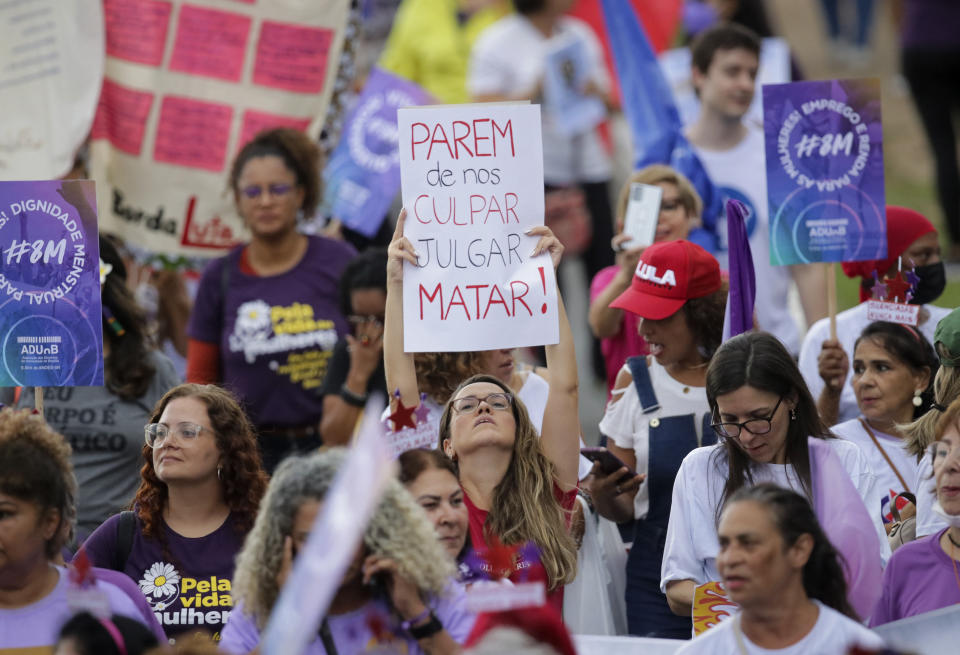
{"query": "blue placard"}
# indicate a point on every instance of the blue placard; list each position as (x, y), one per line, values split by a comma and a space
(824, 151)
(363, 174)
(50, 320)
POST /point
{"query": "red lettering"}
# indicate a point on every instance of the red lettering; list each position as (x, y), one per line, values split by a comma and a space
(511, 208)
(458, 140)
(508, 128)
(477, 138)
(414, 142)
(515, 298)
(474, 210)
(416, 211)
(434, 140)
(492, 302)
(453, 302)
(494, 208)
(438, 291)
(450, 210)
(476, 296)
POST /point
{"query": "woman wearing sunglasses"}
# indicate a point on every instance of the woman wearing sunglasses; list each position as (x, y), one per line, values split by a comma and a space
(200, 488)
(770, 432)
(519, 486)
(924, 575)
(266, 317)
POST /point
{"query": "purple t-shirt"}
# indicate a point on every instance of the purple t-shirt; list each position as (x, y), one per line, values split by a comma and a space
(352, 632)
(275, 333)
(919, 578)
(189, 587)
(130, 588)
(33, 629)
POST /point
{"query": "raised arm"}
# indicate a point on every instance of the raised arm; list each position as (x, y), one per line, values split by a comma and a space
(398, 365)
(560, 436)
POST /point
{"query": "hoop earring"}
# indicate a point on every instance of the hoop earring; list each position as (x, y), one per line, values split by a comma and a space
(917, 400)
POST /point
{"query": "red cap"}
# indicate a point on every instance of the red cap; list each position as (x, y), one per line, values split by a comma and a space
(542, 623)
(668, 275)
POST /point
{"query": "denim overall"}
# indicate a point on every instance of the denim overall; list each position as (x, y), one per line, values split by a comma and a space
(670, 439)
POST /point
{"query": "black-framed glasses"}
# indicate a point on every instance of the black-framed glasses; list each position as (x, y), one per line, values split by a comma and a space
(941, 451)
(499, 401)
(253, 191)
(155, 433)
(761, 425)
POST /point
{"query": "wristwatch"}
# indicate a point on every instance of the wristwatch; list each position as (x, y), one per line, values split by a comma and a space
(428, 629)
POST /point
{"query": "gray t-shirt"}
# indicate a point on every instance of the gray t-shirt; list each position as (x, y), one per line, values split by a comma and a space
(106, 434)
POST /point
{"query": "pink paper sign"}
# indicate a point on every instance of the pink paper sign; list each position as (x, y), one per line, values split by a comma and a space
(122, 116)
(137, 29)
(193, 133)
(256, 121)
(210, 43)
(292, 57)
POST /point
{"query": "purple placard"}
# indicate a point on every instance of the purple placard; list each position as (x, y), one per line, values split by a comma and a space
(363, 174)
(825, 188)
(50, 321)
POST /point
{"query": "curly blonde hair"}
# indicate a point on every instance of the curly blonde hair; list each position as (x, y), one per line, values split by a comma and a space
(35, 467)
(523, 507)
(439, 374)
(399, 530)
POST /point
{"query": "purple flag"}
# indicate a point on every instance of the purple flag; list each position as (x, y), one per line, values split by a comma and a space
(848, 525)
(743, 283)
(652, 114)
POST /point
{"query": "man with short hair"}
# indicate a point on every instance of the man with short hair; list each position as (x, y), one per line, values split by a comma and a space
(725, 60)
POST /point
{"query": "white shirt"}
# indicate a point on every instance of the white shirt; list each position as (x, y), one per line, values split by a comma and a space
(692, 545)
(628, 427)
(739, 172)
(510, 57)
(926, 491)
(887, 480)
(850, 323)
(832, 634)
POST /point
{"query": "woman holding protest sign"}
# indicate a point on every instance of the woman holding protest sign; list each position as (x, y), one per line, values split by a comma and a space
(770, 432)
(893, 369)
(923, 575)
(266, 317)
(680, 209)
(396, 594)
(778, 565)
(518, 488)
(200, 487)
(658, 413)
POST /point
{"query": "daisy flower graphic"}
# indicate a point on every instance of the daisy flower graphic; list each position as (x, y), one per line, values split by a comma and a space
(160, 580)
(253, 315)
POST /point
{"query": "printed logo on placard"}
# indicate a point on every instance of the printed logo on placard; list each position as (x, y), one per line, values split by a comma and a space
(374, 137)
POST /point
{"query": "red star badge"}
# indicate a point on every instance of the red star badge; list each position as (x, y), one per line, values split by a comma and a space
(897, 288)
(402, 417)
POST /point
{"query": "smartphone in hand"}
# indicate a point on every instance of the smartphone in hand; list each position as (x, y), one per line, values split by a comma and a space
(642, 215)
(609, 463)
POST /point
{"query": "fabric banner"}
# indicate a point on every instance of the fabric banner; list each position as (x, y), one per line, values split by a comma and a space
(186, 85)
(50, 321)
(825, 171)
(52, 54)
(363, 174)
(472, 182)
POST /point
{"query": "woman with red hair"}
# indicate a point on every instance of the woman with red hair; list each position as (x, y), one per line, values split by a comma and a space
(912, 244)
(200, 489)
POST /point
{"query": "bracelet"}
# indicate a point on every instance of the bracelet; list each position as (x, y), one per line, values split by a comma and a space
(428, 629)
(409, 623)
(352, 398)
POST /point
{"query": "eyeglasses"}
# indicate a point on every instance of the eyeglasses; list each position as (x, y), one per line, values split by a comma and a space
(253, 192)
(155, 433)
(753, 426)
(357, 320)
(498, 401)
(941, 451)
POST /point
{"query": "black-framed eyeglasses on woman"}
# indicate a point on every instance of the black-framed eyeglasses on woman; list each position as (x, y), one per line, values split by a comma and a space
(761, 425)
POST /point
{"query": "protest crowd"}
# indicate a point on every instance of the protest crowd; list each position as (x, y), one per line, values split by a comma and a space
(365, 417)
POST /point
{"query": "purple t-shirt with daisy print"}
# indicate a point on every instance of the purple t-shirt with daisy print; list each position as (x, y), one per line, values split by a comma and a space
(188, 585)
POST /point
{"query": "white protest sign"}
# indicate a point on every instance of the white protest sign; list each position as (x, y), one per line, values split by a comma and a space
(53, 58)
(472, 183)
(332, 544)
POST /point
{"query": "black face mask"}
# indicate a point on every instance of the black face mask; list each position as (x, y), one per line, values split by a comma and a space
(933, 279)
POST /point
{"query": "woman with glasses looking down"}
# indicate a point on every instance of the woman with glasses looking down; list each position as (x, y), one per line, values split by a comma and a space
(769, 431)
(266, 317)
(519, 488)
(200, 488)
